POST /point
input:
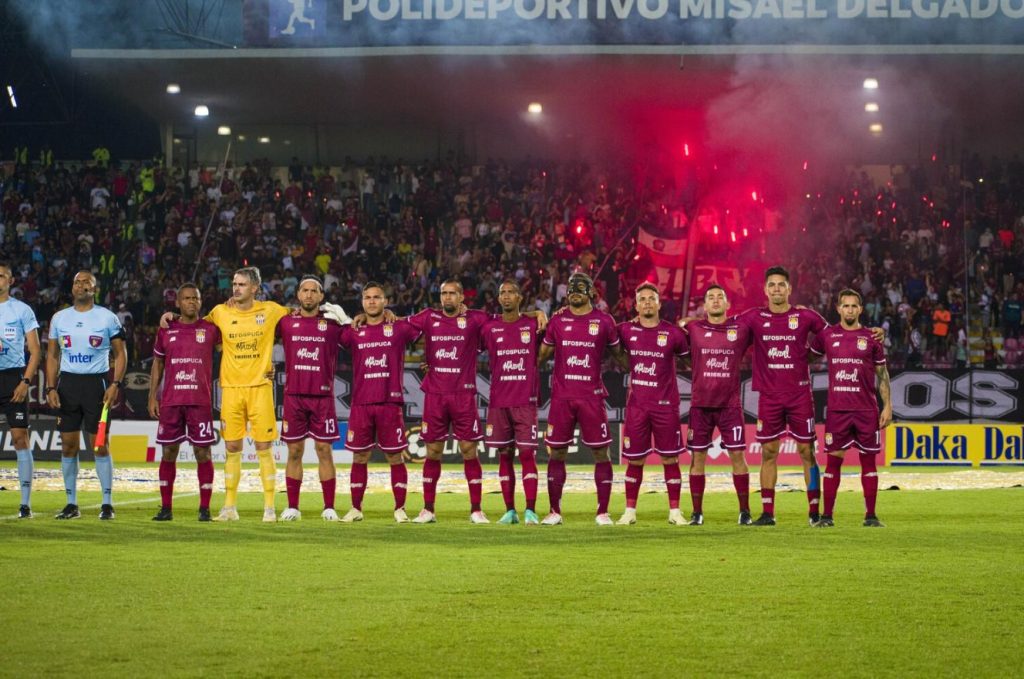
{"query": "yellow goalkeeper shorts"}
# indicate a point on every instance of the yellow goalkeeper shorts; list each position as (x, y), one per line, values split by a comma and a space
(248, 410)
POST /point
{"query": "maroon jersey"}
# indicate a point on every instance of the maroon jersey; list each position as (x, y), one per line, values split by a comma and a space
(652, 363)
(716, 351)
(512, 350)
(579, 343)
(780, 347)
(852, 357)
(450, 349)
(378, 360)
(311, 354)
(187, 351)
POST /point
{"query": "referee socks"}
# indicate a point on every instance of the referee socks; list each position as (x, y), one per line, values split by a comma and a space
(105, 473)
(69, 469)
(25, 474)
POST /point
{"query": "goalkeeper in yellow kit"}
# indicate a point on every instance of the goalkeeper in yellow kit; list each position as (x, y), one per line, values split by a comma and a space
(247, 328)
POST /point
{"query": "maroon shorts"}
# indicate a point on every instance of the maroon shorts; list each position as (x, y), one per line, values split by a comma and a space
(779, 413)
(565, 414)
(309, 417)
(703, 421)
(645, 426)
(852, 428)
(382, 424)
(456, 410)
(506, 426)
(178, 423)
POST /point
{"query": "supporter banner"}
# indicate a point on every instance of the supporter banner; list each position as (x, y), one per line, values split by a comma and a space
(742, 284)
(378, 23)
(955, 445)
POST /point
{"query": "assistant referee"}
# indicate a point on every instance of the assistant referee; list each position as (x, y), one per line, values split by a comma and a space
(82, 339)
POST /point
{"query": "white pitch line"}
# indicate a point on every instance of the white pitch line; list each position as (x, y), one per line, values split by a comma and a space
(119, 504)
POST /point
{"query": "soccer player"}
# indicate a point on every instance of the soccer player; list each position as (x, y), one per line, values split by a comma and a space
(782, 378)
(20, 332)
(377, 416)
(716, 349)
(857, 374)
(652, 406)
(247, 393)
(82, 339)
(511, 344)
(311, 344)
(185, 407)
(452, 337)
(577, 340)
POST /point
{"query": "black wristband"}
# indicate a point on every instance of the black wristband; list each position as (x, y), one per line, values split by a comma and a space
(49, 389)
(26, 381)
(119, 384)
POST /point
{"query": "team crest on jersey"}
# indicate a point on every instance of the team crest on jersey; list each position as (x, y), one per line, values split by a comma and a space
(321, 325)
(760, 425)
(524, 337)
(200, 336)
(461, 322)
(489, 429)
(160, 430)
(260, 319)
(284, 426)
(794, 322)
(351, 436)
(551, 428)
(662, 339)
(95, 341)
(862, 343)
(731, 334)
(423, 429)
(689, 434)
(828, 439)
(66, 341)
(389, 330)
(594, 328)
(625, 442)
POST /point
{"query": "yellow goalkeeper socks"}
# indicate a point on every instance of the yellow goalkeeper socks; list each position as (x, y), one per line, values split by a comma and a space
(232, 475)
(268, 473)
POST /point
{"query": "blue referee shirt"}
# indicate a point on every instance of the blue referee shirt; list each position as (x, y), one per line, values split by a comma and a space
(16, 320)
(84, 338)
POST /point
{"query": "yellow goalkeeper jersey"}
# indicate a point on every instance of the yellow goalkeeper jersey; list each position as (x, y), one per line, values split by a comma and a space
(247, 340)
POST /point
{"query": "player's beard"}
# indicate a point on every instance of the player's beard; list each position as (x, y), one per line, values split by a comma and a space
(449, 308)
(374, 316)
(578, 302)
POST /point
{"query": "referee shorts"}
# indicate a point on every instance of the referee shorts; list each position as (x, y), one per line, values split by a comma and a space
(16, 413)
(81, 402)
(248, 410)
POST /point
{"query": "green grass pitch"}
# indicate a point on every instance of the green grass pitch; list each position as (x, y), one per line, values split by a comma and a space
(936, 592)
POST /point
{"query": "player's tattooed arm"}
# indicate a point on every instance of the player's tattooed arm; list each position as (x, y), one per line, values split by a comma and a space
(885, 391)
(545, 354)
(620, 356)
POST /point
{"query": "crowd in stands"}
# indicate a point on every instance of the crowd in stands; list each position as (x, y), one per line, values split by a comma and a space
(927, 278)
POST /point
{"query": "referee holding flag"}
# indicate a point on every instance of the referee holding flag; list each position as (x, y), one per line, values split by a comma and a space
(82, 339)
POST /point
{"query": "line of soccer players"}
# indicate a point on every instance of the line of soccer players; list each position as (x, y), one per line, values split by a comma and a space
(576, 340)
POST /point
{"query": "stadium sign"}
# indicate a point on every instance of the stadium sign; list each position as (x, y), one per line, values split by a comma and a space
(955, 445)
(594, 24)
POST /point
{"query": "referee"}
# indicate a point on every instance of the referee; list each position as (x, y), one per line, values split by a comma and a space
(82, 339)
(20, 331)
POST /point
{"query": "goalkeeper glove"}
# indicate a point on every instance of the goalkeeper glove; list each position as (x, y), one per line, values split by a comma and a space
(335, 313)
